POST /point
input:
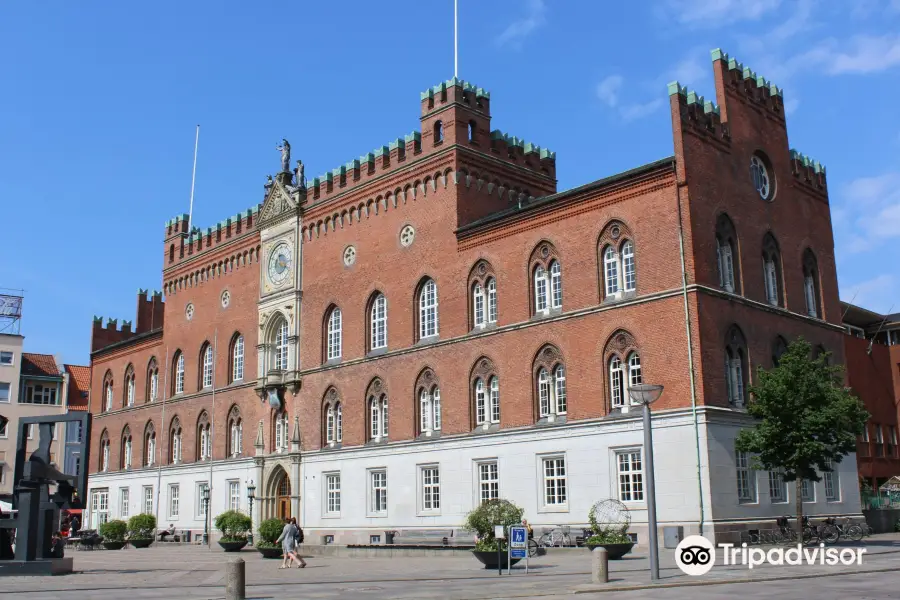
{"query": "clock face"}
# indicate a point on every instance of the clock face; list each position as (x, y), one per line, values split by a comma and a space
(279, 264)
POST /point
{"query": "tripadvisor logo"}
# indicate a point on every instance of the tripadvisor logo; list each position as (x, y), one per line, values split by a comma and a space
(696, 555)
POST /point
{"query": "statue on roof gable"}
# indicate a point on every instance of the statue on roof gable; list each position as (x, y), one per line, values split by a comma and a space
(298, 172)
(268, 186)
(285, 149)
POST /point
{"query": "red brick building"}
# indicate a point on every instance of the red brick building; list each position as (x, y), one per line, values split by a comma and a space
(434, 324)
(872, 351)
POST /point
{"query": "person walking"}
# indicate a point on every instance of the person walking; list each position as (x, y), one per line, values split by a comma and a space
(288, 540)
(298, 539)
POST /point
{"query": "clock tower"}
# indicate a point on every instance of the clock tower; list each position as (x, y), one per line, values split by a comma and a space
(280, 285)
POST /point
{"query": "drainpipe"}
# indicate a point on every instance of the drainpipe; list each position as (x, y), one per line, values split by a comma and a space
(212, 429)
(690, 349)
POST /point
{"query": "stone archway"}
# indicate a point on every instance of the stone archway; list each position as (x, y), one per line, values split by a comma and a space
(278, 491)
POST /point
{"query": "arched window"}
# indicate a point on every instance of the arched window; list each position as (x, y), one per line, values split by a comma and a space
(726, 255)
(152, 381)
(333, 335)
(237, 358)
(204, 441)
(330, 423)
(206, 366)
(149, 445)
(282, 432)
(108, 391)
(628, 266)
(438, 132)
(478, 305)
(104, 451)
(333, 412)
(378, 322)
(617, 260)
(611, 271)
(546, 277)
(428, 396)
(129, 386)
(759, 174)
(779, 347)
(127, 446)
(485, 387)
(623, 362)
(772, 270)
(378, 417)
(178, 380)
(235, 432)
(736, 371)
(550, 382)
(280, 356)
(472, 130)
(428, 309)
(491, 300)
(811, 284)
(175, 442)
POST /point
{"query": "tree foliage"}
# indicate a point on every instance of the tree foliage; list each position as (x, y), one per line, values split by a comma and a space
(140, 527)
(805, 417)
(269, 531)
(113, 531)
(234, 525)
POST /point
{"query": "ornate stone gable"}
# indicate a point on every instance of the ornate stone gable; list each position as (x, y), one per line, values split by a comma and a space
(279, 204)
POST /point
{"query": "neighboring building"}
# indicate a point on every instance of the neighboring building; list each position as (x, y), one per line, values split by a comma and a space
(10, 366)
(433, 324)
(872, 349)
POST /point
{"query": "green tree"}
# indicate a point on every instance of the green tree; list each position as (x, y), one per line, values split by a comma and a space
(806, 418)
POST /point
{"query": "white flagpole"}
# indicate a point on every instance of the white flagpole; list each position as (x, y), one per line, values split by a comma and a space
(193, 179)
(455, 38)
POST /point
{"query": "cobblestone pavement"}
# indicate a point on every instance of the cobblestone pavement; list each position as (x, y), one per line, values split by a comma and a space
(191, 572)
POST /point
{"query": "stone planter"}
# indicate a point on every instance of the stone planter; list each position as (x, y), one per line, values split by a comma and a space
(275, 552)
(233, 546)
(141, 543)
(113, 545)
(489, 559)
(616, 551)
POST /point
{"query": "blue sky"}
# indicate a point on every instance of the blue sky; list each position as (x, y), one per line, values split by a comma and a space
(99, 102)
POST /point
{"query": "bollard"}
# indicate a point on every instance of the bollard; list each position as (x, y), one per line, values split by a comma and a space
(234, 580)
(599, 565)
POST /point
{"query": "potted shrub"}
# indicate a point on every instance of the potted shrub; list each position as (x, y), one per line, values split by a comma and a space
(140, 530)
(234, 526)
(482, 520)
(113, 533)
(611, 537)
(268, 533)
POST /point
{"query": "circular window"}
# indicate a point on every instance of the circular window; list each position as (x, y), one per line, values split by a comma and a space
(759, 174)
(349, 255)
(407, 235)
(189, 312)
(226, 299)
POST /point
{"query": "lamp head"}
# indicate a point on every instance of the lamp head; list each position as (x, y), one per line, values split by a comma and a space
(206, 494)
(645, 393)
(250, 490)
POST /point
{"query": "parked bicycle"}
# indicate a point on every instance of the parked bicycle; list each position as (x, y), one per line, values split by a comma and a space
(846, 529)
(556, 537)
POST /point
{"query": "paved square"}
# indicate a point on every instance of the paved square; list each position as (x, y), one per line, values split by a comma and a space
(190, 572)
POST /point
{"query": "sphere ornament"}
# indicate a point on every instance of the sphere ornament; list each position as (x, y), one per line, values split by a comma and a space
(609, 515)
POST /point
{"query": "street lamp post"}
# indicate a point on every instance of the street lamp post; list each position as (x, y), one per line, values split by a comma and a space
(646, 394)
(251, 489)
(205, 498)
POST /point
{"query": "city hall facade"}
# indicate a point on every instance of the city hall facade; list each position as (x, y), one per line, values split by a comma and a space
(433, 324)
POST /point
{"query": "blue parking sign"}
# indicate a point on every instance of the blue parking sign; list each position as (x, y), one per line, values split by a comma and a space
(517, 552)
(518, 537)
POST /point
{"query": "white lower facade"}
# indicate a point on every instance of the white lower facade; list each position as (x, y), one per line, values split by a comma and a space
(555, 472)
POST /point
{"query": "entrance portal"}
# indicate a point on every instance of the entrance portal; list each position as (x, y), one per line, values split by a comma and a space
(284, 498)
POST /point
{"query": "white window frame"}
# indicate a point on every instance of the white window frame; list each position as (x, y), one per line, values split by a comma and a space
(629, 269)
(199, 509)
(204, 441)
(148, 499)
(208, 367)
(429, 489)
(809, 290)
(154, 385)
(174, 504)
(124, 501)
(109, 396)
(4, 354)
(541, 291)
(553, 479)
(234, 494)
(128, 451)
(428, 310)
(491, 301)
(556, 287)
(334, 334)
(179, 373)
(831, 481)
(7, 387)
(759, 175)
(746, 478)
(281, 346)
(176, 446)
(808, 491)
(129, 389)
(629, 472)
(151, 448)
(379, 323)
(487, 480)
(377, 492)
(478, 307)
(237, 359)
(430, 410)
(40, 394)
(778, 492)
(611, 272)
(726, 265)
(617, 385)
(771, 279)
(237, 432)
(494, 396)
(331, 494)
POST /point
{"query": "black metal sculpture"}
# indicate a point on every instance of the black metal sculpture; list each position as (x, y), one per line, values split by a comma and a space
(36, 509)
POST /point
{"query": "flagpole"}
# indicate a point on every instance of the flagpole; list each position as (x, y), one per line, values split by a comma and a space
(455, 40)
(193, 179)
(212, 429)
